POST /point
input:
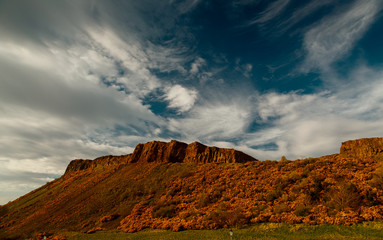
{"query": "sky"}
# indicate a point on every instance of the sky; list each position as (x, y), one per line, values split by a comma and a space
(83, 79)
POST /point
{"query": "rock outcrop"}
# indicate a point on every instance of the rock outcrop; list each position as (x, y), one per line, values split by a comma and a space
(156, 151)
(195, 152)
(105, 161)
(165, 152)
(78, 165)
(199, 153)
(362, 148)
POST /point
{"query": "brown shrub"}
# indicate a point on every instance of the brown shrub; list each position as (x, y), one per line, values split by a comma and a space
(377, 179)
(165, 211)
(301, 211)
(109, 218)
(280, 208)
(346, 197)
(225, 218)
(273, 194)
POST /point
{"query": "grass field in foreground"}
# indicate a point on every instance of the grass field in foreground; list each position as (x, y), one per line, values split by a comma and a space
(367, 230)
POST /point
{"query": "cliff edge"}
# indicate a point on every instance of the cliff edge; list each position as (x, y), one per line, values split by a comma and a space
(165, 152)
(362, 148)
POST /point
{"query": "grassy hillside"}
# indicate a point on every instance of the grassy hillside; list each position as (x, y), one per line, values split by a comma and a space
(179, 196)
(367, 230)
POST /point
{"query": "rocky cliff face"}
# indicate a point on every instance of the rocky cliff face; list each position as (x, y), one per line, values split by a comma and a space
(155, 151)
(362, 148)
(199, 153)
(78, 165)
(164, 152)
(195, 152)
(81, 164)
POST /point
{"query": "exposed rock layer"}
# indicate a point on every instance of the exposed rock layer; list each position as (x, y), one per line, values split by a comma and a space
(181, 152)
(198, 153)
(159, 152)
(105, 161)
(164, 152)
(362, 148)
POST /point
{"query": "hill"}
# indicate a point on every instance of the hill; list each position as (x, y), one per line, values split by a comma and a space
(178, 186)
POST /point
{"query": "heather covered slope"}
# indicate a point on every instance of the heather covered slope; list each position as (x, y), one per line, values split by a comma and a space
(118, 192)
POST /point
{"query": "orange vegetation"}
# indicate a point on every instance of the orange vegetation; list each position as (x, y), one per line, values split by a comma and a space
(334, 189)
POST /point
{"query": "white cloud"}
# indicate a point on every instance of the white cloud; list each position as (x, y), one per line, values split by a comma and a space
(274, 105)
(133, 58)
(313, 125)
(335, 36)
(25, 55)
(167, 58)
(214, 121)
(54, 106)
(196, 65)
(181, 98)
(49, 116)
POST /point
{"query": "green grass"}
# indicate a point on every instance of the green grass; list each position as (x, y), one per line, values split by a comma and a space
(368, 230)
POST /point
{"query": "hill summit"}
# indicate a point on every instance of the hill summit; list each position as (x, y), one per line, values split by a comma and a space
(165, 152)
(362, 148)
(179, 186)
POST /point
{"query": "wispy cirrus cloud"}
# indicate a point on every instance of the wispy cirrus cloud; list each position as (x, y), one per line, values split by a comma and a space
(74, 88)
(221, 115)
(212, 123)
(303, 125)
(271, 12)
(336, 35)
(301, 13)
(196, 65)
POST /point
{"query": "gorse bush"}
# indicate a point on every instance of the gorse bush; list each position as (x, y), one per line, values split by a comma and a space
(204, 196)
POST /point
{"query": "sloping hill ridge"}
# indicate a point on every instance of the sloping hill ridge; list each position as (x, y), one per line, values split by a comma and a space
(162, 152)
(178, 186)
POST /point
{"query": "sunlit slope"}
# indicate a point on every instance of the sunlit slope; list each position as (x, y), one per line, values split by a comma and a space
(119, 192)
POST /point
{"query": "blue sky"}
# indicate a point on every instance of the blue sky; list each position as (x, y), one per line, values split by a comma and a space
(82, 79)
